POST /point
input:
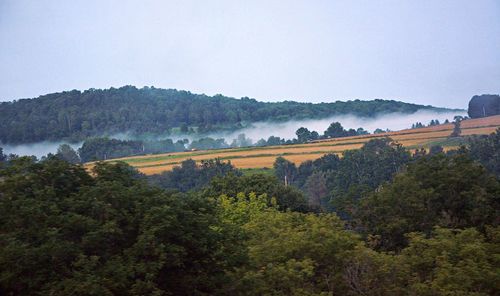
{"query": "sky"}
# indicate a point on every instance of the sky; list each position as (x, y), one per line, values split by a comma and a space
(435, 52)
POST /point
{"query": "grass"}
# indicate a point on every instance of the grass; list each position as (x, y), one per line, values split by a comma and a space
(264, 171)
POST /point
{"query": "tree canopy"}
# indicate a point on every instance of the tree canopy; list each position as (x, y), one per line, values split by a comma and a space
(421, 224)
(76, 115)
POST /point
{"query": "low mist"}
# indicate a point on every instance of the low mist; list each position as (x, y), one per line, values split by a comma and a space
(37, 149)
(391, 121)
(263, 130)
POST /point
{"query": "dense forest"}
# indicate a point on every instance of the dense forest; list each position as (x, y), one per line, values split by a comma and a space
(75, 115)
(377, 221)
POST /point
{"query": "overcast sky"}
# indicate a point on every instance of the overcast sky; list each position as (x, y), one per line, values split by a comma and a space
(422, 51)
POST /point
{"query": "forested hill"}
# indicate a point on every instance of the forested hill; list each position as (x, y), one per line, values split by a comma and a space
(75, 115)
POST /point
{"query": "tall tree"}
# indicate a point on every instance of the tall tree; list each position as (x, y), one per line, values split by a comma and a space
(66, 152)
(3, 157)
(335, 130)
(316, 190)
(285, 170)
(303, 135)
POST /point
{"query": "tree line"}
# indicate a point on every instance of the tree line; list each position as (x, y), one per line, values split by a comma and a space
(77, 115)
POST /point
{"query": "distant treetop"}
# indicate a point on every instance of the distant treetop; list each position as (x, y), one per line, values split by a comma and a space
(484, 105)
(76, 115)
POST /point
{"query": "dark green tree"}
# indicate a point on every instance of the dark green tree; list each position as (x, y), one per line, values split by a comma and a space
(486, 150)
(303, 135)
(447, 191)
(286, 197)
(3, 157)
(64, 232)
(365, 169)
(274, 141)
(208, 143)
(456, 127)
(285, 170)
(335, 130)
(191, 176)
(316, 190)
(67, 153)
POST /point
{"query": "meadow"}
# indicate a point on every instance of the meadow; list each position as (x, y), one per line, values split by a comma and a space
(263, 157)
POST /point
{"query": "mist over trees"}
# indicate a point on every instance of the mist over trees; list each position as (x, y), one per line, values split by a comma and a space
(75, 115)
(433, 122)
(96, 148)
(334, 130)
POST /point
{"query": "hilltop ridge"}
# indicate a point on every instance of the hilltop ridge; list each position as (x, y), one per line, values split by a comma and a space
(76, 115)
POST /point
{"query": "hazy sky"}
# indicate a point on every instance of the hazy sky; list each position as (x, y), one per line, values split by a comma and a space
(423, 51)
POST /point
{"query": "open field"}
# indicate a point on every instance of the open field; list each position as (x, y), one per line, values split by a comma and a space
(264, 157)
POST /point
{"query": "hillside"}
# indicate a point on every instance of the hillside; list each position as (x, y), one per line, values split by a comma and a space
(264, 157)
(76, 115)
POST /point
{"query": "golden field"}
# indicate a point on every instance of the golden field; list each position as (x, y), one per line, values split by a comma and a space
(262, 157)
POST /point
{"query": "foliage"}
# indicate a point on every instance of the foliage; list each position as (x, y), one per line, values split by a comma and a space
(457, 130)
(484, 105)
(417, 125)
(357, 172)
(446, 191)
(453, 262)
(289, 253)
(242, 141)
(208, 143)
(66, 152)
(64, 232)
(316, 190)
(449, 262)
(285, 197)
(274, 141)
(433, 122)
(486, 150)
(376, 162)
(190, 176)
(104, 148)
(304, 135)
(75, 115)
(335, 130)
(285, 170)
(3, 157)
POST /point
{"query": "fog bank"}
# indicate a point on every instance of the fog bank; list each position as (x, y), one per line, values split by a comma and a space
(391, 121)
(263, 130)
(37, 149)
